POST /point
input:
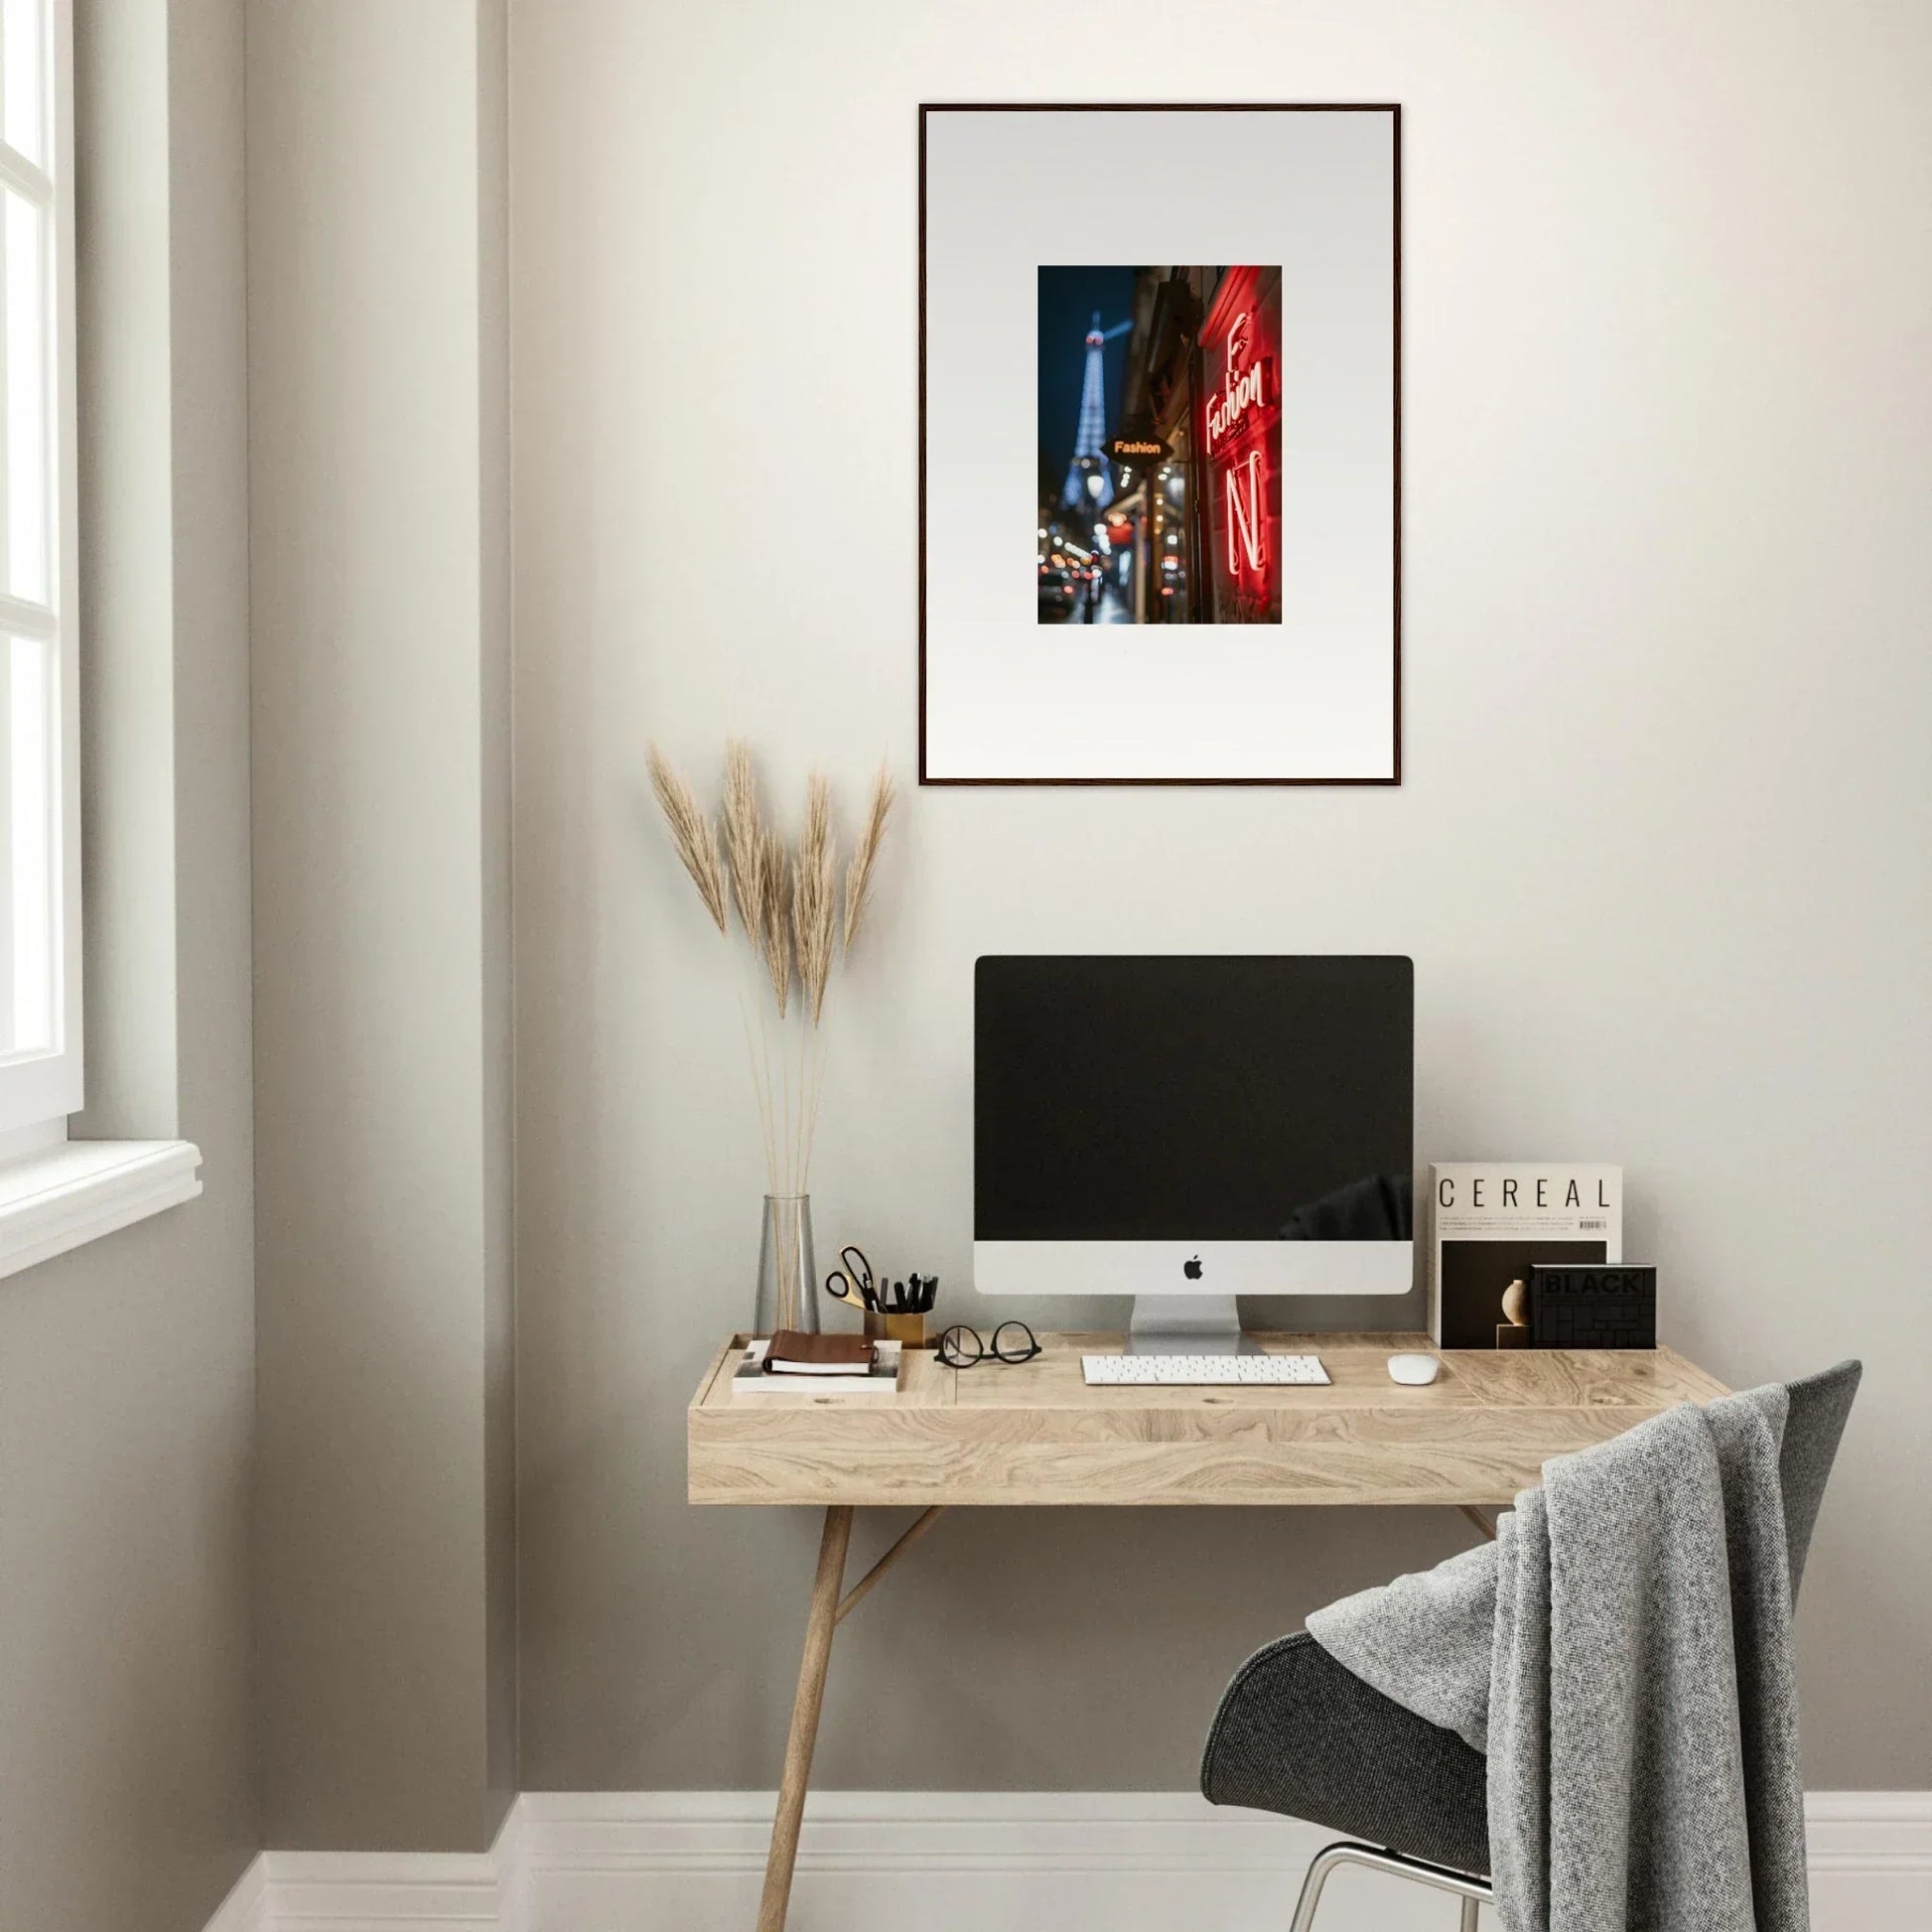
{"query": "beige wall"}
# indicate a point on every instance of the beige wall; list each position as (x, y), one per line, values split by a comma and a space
(126, 1376)
(379, 573)
(1660, 856)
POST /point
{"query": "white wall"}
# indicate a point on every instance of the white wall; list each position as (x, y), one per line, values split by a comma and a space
(379, 586)
(1660, 855)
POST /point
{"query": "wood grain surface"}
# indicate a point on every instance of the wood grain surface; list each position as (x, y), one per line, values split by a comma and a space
(1033, 1433)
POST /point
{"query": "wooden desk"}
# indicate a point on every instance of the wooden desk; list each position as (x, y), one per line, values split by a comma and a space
(1033, 1433)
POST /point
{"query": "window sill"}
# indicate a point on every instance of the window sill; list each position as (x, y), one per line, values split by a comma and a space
(78, 1192)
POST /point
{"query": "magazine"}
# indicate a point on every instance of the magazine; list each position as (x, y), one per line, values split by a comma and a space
(1492, 1219)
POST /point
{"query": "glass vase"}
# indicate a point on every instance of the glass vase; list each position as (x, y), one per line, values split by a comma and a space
(787, 1272)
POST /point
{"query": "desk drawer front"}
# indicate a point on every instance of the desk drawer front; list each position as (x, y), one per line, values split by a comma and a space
(1236, 1454)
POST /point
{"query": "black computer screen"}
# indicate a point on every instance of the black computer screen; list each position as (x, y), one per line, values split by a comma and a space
(1229, 1098)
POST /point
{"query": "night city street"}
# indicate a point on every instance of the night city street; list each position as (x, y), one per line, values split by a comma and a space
(1159, 446)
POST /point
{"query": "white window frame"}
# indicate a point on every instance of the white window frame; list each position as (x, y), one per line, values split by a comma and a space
(38, 1090)
(55, 1193)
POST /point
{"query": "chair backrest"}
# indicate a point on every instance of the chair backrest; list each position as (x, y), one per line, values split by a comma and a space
(1819, 1406)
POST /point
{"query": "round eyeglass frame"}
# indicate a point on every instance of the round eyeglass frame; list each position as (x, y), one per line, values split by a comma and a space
(1007, 1347)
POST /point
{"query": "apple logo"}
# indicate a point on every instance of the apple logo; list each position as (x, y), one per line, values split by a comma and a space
(1191, 1269)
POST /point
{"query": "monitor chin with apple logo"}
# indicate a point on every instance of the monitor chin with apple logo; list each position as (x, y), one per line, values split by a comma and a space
(1186, 1128)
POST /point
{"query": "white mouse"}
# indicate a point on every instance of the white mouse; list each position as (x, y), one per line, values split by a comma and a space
(1414, 1369)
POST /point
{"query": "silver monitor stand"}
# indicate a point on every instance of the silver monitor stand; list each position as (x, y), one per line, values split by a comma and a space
(1186, 1324)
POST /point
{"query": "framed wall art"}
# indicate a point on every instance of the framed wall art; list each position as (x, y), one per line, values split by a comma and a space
(1160, 445)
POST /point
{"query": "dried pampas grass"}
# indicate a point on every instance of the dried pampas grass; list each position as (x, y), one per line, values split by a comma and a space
(774, 916)
(814, 896)
(858, 875)
(788, 907)
(691, 834)
(744, 835)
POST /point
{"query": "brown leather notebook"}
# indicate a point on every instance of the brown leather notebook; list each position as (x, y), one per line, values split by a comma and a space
(795, 1353)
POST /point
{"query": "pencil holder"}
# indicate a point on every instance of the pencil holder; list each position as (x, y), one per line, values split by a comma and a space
(909, 1330)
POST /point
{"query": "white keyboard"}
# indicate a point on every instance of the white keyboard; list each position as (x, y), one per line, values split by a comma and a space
(1203, 1371)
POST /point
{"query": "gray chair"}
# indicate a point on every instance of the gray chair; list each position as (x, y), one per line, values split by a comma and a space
(1299, 1733)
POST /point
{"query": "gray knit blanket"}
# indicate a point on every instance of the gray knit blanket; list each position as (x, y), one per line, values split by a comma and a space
(1622, 1653)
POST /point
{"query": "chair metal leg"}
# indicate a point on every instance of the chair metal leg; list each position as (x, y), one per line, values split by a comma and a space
(1472, 1892)
(1325, 1863)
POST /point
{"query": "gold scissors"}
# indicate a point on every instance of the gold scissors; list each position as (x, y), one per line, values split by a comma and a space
(852, 1282)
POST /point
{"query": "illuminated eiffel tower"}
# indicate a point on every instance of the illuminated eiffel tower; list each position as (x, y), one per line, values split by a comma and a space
(1090, 476)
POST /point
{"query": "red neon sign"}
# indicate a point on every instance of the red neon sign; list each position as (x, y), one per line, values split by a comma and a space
(1239, 393)
(1247, 518)
(1240, 427)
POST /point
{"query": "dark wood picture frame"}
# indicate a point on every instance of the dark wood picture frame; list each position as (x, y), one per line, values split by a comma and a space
(1391, 109)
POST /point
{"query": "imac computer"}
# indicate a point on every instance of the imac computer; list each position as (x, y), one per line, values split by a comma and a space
(1185, 1130)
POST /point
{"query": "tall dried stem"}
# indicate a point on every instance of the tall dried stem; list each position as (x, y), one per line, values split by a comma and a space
(744, 835)
(693, 836)
(864, 854)
(814, 926)
(748, 848)
(775, 917)
(814, 897)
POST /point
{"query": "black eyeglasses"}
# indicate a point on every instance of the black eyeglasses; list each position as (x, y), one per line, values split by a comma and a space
(1012, 1341)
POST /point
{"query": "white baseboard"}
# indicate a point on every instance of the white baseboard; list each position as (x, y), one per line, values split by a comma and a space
(245, 1909)
(387, 1891)
(955, 1862)
(1869, 1854)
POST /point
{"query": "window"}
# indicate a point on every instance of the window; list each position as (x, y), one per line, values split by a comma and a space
(40, 855)
(55, 1194)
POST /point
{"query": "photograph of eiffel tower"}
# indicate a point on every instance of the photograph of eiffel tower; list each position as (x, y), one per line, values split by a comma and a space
(1159, 446)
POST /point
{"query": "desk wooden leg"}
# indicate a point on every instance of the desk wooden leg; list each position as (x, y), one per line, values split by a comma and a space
(819, 1623)
(1479, 1519)
(855, 1596)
